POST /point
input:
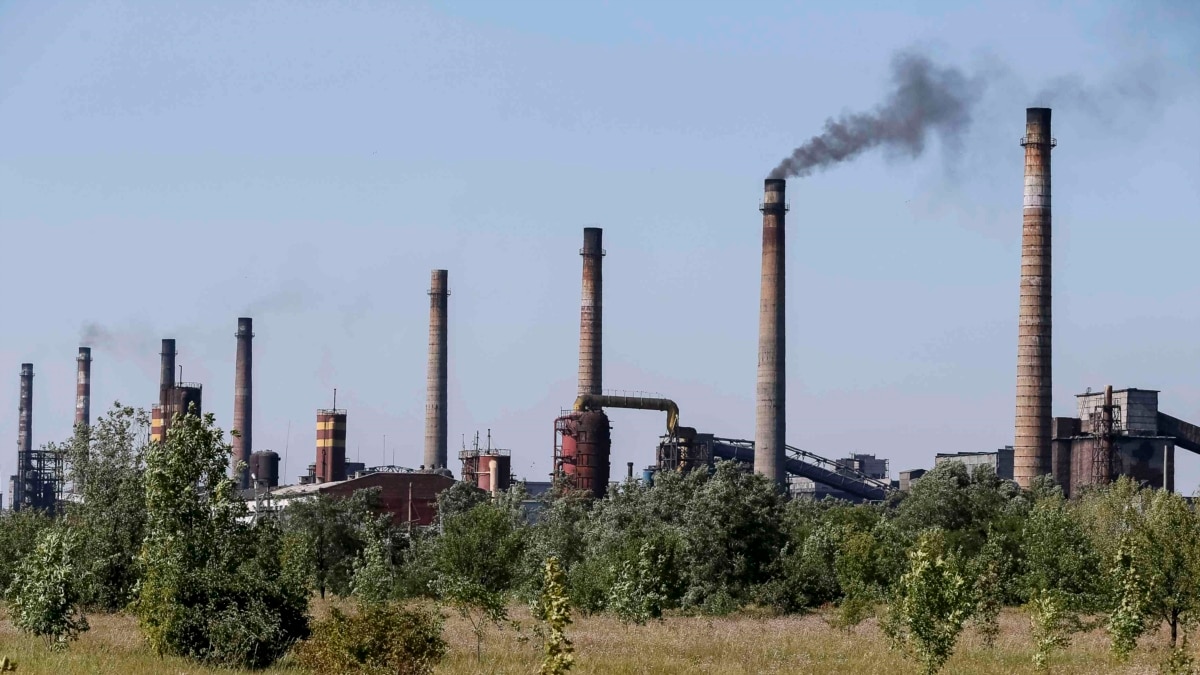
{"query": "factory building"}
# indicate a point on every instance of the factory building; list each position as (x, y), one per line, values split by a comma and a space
(1000, 460)
(410, 497)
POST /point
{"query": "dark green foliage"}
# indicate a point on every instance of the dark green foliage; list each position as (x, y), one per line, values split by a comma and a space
(336, 530)
(45, 589)
(379, 639)
(19, 532)
(214, 589)
(107, 470)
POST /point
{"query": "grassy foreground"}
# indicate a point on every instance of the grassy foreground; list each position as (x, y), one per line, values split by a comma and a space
(733, 645)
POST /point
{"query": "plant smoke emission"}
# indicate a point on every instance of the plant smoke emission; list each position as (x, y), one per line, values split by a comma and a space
(926, 97)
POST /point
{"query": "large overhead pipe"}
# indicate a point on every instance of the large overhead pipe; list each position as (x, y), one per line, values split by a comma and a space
(243, 412)
(770, 424)
(436, 375)
(591, 313)
(83, 387)
(599, 401)
(1031, 456)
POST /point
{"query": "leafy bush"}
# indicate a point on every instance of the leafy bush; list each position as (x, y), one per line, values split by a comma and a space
(553, 608)
(382, 639)
(214, 589)
(45, 589)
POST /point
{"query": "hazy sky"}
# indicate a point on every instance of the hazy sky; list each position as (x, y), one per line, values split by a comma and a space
(168, 167)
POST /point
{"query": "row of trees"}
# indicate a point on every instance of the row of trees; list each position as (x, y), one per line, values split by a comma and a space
(157, 529)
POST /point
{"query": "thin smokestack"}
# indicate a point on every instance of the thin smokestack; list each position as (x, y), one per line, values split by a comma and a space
(1033, 421)
(243, 419)
(925, 97)
(591, 313)
(770, 424)
(166, 377)
(435, 395)
(83, 387)
(25, 410)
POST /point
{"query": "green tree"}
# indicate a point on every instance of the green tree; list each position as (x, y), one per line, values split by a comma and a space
(930, 603)
(106, 471)
(475, 563)
(336, 530)
(45, 589)
(1060, 576)
(214, 589)
(19, 532)
(374, 574)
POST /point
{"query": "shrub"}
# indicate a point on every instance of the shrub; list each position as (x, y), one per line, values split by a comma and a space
(45, 589)
(378, 639)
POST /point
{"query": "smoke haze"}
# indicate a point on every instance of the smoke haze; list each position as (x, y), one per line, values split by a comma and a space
(925, 98)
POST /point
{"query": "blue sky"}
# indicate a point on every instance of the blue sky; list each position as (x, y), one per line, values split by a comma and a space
(166, 168)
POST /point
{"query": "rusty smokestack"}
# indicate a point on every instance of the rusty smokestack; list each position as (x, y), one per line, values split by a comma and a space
(436, 375)
(770, 423)
(243, 420)
(166, 377)
(591, 313)
(83, 387)
(25, 410)
(1031, 456)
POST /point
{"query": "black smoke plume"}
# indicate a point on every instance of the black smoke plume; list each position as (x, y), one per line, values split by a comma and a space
(925, 97)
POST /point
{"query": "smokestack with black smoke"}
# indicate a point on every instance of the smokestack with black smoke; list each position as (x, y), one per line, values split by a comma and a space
(925, 98)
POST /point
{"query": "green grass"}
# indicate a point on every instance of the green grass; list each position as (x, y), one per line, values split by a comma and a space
(735, 645)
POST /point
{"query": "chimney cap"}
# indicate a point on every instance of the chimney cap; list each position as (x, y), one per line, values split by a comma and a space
(775, 184)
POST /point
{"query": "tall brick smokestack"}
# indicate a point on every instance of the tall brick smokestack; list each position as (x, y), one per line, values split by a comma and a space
(1031, 457)
(166, 377)
(591, 313)
(242, 400)
(436, 375)
(770, 424)
(83, 387)
(25, 410)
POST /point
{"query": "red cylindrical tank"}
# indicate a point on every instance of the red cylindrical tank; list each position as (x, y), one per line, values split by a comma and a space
(593, 447)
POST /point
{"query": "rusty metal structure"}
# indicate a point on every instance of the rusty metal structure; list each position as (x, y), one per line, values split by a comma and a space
(770, 426)
(83, 388)
(487, 468)
(243, 389)
(1032, 446)
(591, 313)
(38, 484)
(583, 449)
(436, 376)
(331, 445)
(264, 469)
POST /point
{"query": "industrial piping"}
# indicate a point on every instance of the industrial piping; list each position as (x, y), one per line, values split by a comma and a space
(1032, 453)
(436, 375)
(243, 389)
(591, 313)
(83, 387)
(770, 427)
(598, 401)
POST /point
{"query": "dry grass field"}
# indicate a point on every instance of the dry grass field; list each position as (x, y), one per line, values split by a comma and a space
(738, 645)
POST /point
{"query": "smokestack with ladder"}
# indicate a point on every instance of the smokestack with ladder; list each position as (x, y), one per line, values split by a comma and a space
(770, 423)
(1031, 456)
(242, 400)
(436, 452)
(83, 388)
(591, 311)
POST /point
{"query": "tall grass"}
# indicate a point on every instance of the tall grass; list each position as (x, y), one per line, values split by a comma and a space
(735, 645)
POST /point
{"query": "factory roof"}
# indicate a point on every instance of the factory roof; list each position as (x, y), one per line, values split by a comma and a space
(1100, 392)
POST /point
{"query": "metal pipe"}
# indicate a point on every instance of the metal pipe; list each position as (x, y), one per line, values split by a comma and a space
(1031, 456)
(436, 374)
(591, 313)
(83, 387)
(243, 389)
(770, 432)
(596, 402)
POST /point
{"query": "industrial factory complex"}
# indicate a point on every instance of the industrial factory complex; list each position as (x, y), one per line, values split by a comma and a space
(1115, 432)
